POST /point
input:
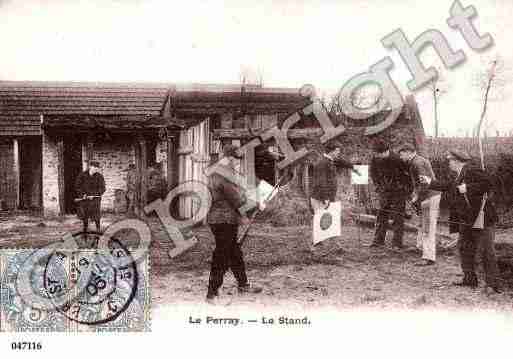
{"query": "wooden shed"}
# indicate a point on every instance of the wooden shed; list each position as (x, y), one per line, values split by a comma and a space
(48, 130)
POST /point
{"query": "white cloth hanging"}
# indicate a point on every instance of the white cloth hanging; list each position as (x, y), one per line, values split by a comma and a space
(327, 222)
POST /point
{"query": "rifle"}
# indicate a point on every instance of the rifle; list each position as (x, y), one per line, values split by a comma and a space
(85, 198)
(244, 232)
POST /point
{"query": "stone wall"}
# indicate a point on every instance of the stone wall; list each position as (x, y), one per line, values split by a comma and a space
(114, 157)
(50, 175)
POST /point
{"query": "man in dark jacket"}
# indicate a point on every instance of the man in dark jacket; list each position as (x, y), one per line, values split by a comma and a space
(390, 177)
(90, 186)
(473, 215)
(324, 175)
(156, 183)
(224, 218)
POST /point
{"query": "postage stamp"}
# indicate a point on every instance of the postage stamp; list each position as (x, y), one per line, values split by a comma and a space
(80, 290)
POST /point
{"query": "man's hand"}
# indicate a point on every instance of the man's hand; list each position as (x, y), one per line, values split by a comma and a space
(425, 179)
(261, 206)
(462, 188)
(244, 221)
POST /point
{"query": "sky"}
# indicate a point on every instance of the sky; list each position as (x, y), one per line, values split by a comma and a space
(286, 43)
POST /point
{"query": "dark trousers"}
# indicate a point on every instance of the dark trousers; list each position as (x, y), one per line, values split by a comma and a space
(85, 224)
(391, 208)
(89, 209)
(227, 255)
(473, 241)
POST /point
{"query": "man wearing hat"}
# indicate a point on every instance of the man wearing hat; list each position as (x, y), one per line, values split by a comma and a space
(391, 180)
(224, 219)
(90, 186)
(156, 183)
(131, 189)
(324, 174)
(473, 215)
(426, 201)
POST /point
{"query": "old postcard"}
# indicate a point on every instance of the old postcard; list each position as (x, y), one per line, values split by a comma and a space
(205, 177)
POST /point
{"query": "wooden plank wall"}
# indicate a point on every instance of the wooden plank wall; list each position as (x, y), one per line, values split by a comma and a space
(194, 157)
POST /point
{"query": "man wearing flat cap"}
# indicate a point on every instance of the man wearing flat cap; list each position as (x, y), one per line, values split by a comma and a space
(392, 183)
(473, 215)
(224, 218)
(327, 162)
(426, 201)
(90, 186)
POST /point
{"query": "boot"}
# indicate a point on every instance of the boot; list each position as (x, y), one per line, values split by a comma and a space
(377, 243)
(469, 280)
(212, 296)
(249, 289)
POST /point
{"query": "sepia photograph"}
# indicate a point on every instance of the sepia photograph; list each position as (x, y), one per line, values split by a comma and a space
(213, 168)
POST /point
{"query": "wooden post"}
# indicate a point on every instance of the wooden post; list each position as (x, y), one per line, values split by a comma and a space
(172, 162)
(138, 176)
(17, 184)
(87, 150)
(60, 174)
(143, 160)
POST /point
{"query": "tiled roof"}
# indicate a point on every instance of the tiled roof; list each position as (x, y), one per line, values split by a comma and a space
(22, 103)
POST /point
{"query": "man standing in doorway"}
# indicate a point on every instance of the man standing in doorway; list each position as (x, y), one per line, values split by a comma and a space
(392, 182)
(90, 186)
(426, 202)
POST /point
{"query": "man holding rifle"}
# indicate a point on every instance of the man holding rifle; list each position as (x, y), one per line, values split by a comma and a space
(224, 218)
(392, 182)
(90, 186)
(473, 215)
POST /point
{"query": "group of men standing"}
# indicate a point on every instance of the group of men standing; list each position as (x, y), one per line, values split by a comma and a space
(397, 181)
(399, 178)
(409, 177)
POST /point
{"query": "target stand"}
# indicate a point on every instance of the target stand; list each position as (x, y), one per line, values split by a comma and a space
(326, 230)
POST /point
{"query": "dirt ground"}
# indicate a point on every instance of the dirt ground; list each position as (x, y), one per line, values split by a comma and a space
(342, 272)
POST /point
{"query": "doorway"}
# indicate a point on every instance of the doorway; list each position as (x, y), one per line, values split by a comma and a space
(264, 165)
(31, 186)
(72, 168)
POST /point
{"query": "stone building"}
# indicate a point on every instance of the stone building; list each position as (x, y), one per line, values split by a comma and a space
(48, 131)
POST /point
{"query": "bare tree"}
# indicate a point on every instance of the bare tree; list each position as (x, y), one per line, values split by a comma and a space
(250, 75)
(491, 83)
(438, 87)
